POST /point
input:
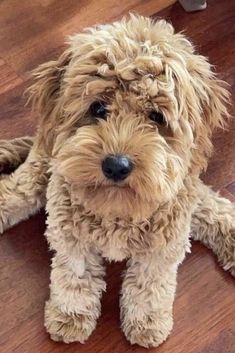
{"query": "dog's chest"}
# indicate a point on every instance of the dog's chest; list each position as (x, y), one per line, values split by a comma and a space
(117, 240)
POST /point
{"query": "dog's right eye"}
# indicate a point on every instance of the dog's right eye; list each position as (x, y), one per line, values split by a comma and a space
(98, 110)
(157, 117)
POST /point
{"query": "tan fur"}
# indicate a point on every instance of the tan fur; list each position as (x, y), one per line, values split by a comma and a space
(213, 223)
(135, 66)
(14, 152)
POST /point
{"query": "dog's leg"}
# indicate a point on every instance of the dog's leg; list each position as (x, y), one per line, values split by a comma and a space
(23, 192)
(149, 284)
(213, 223)
(77, 271)
(147, 299)
(75, 291)
(14, 152)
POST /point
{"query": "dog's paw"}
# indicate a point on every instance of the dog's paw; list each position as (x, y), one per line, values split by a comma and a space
(67, 328)
(229, 266)
(225, 249)
(148, 332)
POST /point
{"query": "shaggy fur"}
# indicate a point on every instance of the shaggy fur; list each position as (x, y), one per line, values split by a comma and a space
(135, 66)
(14, 152)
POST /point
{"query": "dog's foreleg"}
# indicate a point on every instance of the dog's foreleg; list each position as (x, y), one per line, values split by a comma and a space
(23, 192)
(75, 291)
(14, 152)
(77, 273)
(147, 299)
(213, 223)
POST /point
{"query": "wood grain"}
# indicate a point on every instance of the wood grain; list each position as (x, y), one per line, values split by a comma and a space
(32, 32)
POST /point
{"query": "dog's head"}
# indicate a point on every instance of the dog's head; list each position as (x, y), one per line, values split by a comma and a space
(127, 112)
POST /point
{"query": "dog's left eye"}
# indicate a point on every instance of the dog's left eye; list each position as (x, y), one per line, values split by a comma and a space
(157, 117)
(98, 109)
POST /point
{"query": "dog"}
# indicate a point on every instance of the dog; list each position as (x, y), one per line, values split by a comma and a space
(126, 116)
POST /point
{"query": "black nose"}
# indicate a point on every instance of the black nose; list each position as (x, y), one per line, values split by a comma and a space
(117, 167)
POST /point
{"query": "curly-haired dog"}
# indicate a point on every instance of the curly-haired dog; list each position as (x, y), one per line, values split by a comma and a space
(126, 118)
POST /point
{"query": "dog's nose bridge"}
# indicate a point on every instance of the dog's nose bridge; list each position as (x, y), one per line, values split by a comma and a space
(122, 132)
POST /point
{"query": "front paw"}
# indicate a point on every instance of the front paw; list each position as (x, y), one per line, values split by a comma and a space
(149, 330)
(68, 327)
(226, 251)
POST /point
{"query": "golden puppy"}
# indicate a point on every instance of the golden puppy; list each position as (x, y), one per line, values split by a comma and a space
(126, 116)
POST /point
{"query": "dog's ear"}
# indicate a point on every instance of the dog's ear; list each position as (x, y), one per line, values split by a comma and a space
(44, 95)
(207, 106)
(203, 98)
(212, 93)
(199, 87)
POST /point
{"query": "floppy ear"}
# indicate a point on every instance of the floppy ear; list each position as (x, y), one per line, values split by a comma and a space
(214, 98)
(203, 90)
(211, 99)
(44, 95)
(212, 92)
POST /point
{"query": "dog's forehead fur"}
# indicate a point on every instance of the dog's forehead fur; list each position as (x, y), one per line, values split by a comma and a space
(130, 39)
(129, 50)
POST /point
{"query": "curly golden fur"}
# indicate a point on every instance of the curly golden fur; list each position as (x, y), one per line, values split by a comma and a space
(135, 67)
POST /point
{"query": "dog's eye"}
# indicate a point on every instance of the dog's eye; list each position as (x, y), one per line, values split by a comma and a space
(157, 117)
(98, 109)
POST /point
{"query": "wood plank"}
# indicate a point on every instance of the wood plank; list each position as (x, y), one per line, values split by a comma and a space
(42, 26)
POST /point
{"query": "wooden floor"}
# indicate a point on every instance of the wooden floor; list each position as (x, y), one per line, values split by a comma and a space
(32, 32)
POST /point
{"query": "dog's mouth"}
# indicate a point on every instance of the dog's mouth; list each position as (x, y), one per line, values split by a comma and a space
(112, 187)
(116, 186)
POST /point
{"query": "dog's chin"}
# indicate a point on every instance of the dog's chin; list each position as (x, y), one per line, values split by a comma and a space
(114, 200)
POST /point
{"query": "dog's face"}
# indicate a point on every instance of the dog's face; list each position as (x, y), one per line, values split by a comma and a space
(128, 112)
